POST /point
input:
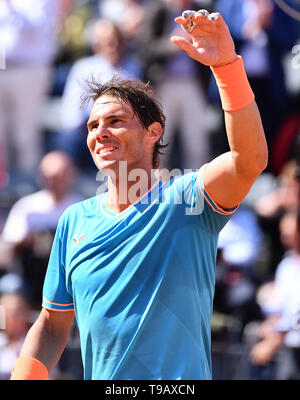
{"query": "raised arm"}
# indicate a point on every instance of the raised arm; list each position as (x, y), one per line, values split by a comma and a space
(229, 177)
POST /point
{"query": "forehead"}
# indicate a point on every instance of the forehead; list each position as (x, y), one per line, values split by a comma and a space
(107, 105)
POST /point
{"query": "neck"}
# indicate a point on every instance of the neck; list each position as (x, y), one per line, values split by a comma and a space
(58, 197)
(127, 187)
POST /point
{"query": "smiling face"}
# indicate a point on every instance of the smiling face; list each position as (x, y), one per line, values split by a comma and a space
(116, 134)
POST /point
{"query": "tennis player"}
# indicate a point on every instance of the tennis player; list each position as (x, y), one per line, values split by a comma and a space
(138, 273)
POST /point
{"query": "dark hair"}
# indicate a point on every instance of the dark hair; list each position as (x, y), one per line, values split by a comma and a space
(139, 95)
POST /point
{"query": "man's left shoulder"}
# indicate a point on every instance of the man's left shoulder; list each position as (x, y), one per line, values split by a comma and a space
(81, 207)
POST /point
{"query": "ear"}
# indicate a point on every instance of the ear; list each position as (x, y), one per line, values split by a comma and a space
(155, 131)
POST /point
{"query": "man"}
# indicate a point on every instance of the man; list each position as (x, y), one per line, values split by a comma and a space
(140, 274)
(31, 223)
(16, 309)
(40, 211)
(28, 37)
(281, 308)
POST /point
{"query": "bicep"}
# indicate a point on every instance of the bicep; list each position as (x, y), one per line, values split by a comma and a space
(59, 322)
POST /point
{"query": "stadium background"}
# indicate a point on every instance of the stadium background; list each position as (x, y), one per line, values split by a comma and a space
(68, 39)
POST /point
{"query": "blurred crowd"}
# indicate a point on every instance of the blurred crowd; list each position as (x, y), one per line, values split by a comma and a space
(49, 48)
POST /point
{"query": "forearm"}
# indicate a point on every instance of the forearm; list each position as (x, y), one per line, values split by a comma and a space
(242, 119)
(247, 141)
(43, 344)
(239, 168)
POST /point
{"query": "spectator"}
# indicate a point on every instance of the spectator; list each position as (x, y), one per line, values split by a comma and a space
(282, 198)
(127, 14)
(32, 220)
(270, 208)
(16, 315)
(239, 244)
(109, 57)
(282, 307)
(15, 311)
(40, 211)
(287, 140)
(179, 81)
(27, 34)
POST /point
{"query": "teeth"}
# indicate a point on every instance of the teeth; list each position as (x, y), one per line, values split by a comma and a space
(106, 150)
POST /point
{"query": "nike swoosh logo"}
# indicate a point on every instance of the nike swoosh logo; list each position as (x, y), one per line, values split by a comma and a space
(76, 241)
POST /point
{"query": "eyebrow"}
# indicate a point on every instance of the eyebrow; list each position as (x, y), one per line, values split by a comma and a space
(108, 117)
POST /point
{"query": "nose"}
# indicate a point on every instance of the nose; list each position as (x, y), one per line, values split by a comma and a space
(102, 132)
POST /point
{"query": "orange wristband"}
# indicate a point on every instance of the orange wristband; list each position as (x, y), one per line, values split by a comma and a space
(29, 368)
(235, 90)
